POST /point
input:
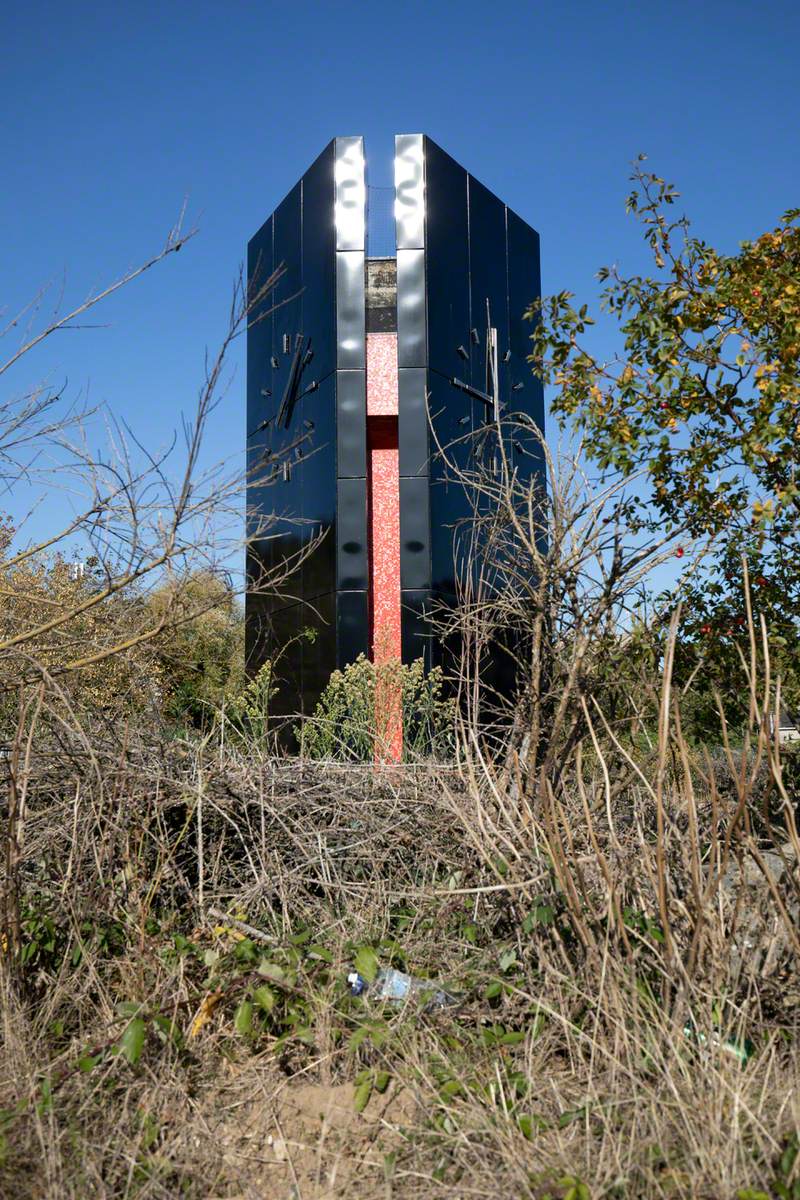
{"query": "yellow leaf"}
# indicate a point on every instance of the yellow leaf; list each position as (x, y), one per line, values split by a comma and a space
(204, 1012)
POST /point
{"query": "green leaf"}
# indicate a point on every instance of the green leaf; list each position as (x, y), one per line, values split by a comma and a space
(243, 1020)
(129, 1008)
(382, 1080)
(568, 1117)
(264, 997)
(87, 1062)
(526, 1126)
(131, 1043)
(271, 970)
(168, 1028)
(507, 959)
(376, 1032)
(494, 989)
(359, 1035)
(362, 1093)
(366, 963)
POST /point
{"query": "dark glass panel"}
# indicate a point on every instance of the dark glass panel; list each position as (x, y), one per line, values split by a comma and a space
(319, 655)
(451, 450)
(288, 317)
(316, 462)
(352, 626)
(351, 418)
(488, 280)
(415, 561)
(319, 264)
(413, 421)
(256, 648)
(416, 634)
(447, 262)
(259, 408)
(286, 654)
(351, 535)
(259, 338)
(524, 286)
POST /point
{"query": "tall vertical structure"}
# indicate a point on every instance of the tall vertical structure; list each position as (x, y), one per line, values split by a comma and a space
(359, 369)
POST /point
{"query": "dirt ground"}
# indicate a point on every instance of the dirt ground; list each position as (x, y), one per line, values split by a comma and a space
(292, 1140)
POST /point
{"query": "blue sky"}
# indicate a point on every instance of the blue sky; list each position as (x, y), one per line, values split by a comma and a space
(114, 114)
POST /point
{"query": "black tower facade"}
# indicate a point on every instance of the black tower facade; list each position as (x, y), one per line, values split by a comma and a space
(348, 354)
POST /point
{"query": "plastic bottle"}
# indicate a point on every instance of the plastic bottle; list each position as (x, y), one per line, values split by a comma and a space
(397, 988)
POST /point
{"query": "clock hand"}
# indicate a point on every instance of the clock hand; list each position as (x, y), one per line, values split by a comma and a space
(287, 402)
(476, 393)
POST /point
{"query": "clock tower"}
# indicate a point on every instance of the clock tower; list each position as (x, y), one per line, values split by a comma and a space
(360, 368)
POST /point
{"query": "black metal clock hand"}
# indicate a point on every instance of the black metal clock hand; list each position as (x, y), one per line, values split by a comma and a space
(476, 393)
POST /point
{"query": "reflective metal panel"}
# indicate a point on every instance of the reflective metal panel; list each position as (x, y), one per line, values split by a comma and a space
(415, 561)
(350, 310)
(351, 408)
(351, 193)
(409, 183)
(352, 626)
(351, 535)
(411, 332)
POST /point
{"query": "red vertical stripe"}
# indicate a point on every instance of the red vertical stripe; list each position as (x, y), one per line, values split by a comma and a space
(384, 537)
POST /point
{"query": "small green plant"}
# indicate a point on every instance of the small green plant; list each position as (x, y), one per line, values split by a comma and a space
(356, 717)
(248, 713)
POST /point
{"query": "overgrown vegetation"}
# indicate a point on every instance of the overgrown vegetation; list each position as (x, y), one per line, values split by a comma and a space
(603, 867)
(364, 707)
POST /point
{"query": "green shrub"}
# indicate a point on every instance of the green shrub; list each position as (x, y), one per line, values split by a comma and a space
(248, 713)
(356, 717)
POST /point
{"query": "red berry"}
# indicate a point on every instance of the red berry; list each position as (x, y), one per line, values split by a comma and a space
(705, 629)
(679, 552)
(761, 581)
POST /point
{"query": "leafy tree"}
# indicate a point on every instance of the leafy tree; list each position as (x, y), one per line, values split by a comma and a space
(704, 402)
(48, 586)
(201, 650)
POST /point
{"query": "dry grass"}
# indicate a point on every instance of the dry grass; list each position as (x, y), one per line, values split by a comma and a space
(586, 931)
